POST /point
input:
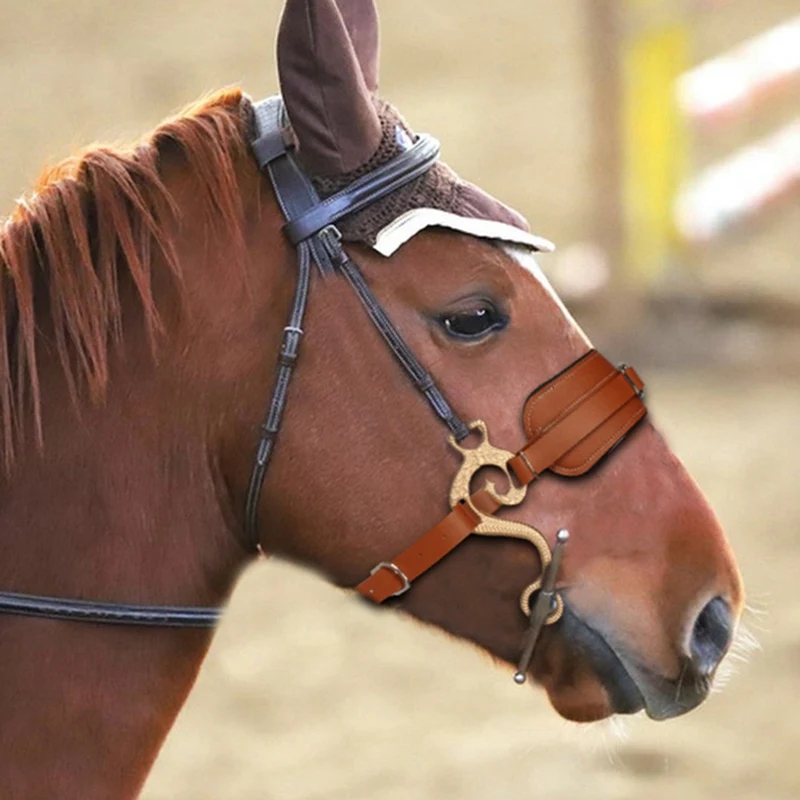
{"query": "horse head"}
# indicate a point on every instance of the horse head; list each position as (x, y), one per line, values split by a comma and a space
(362, 467)
(416, 341)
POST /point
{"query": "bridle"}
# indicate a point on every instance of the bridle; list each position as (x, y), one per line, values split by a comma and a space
(572, 421)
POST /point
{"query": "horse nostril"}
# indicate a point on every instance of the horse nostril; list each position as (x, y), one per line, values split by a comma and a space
(711, 636)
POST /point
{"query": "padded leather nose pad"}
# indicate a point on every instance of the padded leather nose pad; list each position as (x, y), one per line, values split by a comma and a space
(612, 396)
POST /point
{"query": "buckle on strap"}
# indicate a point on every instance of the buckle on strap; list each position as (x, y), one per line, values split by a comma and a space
(393, 568)
(630, 375)
(375, 185)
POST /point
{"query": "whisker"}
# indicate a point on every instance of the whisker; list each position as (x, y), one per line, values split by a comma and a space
(743, 646)
(744, 642)
(679, 684)
(756, 608)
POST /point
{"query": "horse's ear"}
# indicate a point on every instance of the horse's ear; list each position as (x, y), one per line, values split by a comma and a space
(328, 70)
(361, 20)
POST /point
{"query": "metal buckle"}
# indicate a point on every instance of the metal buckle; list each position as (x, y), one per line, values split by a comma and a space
(330, 237)
(398, 572)
(623, 368)
(330, 231)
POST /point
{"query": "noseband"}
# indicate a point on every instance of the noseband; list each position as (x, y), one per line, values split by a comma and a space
(571, 421)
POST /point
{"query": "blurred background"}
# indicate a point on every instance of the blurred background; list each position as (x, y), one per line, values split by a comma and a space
(658, 143)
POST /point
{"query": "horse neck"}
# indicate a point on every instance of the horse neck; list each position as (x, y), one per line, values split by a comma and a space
(103, 516)
(124, 504)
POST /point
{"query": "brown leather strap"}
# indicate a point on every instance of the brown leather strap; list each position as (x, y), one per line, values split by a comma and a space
(392, 578)
(572, 421)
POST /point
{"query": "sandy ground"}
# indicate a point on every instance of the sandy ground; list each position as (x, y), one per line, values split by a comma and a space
(306, 694)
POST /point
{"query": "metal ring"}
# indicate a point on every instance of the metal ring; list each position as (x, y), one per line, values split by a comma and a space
(293, 329)
(398, 572)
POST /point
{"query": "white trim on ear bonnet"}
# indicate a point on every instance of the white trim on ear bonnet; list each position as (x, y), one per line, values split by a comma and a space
(392, 236)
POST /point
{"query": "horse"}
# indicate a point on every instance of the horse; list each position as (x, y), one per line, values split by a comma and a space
(144, 293)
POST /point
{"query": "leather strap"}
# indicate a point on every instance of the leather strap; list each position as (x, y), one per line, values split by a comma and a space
(389, 579)
(309, 226)
(295, 195)
(30, 605)
(602, 403)
(364, 191)
(573, 420)
(419, 376)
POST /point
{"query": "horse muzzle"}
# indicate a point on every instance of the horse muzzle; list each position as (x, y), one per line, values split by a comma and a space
(629, 684)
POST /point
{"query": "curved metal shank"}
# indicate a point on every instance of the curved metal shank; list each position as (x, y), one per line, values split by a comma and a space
(483, 455)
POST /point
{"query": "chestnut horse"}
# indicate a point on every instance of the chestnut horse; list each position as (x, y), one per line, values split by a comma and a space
(143, 296)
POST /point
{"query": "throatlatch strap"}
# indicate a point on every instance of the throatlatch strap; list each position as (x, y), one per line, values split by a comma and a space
(573, 420)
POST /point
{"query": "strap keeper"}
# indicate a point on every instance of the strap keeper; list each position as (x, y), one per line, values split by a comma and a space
(287, 359)
(287, 355)
(522, 468)
(269, 147)
(426, 382)
(466, 511)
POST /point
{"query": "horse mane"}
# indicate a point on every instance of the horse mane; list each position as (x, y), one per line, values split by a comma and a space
(93, 220)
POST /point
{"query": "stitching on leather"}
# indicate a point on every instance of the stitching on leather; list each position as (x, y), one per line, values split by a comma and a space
(359, 182)
(582, 467)
(566, 376)
(526, 461)
(579, 401)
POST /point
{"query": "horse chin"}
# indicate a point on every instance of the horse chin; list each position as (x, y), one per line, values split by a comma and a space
(584, 676)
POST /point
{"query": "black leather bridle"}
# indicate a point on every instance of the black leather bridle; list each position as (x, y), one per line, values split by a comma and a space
(311, 228)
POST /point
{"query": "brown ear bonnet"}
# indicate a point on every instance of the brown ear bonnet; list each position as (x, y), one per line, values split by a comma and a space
(328, 55)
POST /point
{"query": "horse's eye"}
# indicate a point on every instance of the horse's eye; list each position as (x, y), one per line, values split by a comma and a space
(473, 323)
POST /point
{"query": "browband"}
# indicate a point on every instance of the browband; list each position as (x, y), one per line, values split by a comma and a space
(367, 189)
(572, 421)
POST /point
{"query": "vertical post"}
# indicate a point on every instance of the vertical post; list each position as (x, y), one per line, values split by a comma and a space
(620, 307)
(603, 26)
(655, 52)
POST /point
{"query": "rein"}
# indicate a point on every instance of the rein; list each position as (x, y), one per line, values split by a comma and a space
(571, 421)
(32, 605)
